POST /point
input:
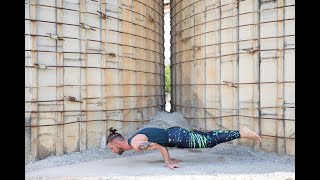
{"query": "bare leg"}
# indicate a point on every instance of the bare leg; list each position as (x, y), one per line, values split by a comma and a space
(248, 134)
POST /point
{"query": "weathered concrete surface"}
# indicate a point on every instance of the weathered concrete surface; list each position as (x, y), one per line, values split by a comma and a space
(80, 66)
(233, 66)
(220, 163)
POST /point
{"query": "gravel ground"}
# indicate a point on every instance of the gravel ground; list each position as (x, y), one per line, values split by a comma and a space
(223, 161)
(89, 155)
(161, 119)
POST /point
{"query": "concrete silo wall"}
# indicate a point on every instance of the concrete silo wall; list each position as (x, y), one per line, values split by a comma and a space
(233, 64)
(90, 65)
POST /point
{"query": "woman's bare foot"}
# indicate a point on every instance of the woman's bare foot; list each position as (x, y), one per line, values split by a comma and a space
(248, 134)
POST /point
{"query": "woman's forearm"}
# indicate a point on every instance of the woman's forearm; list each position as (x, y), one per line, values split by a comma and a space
(165, 154)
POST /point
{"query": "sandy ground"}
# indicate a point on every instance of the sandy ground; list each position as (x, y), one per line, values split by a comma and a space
(224, 161)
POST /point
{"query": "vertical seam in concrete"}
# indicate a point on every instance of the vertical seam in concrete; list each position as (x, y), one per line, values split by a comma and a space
(28, 90)
(259, 66)
(181, 77)
(34, 91)
(193, 92)
(205, 65)
(219, 37)
(284, 85)
(133, 73)
(103, 23)
(119, 76)
(153, 77)
(145, 67)
(236, 65)
(146, 89)
(80, 118)
(60, 77)
(83, 77)
(181, 80)
(280, 75)
(156, 77)
(174, 66)
(177, 73)
(256, 69)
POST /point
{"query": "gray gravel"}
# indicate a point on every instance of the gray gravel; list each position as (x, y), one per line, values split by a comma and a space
(88, 155)
(165, 120)
(161, 119)
(223, 159)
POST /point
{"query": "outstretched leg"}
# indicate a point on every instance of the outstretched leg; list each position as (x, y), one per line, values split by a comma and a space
(221, 136)
(182, 138)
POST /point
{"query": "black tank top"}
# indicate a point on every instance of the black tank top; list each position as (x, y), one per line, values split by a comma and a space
(156, 135)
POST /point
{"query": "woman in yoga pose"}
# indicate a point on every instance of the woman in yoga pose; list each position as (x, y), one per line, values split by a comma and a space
(157, 138)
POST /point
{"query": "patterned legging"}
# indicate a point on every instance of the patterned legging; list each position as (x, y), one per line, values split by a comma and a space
(182, 138)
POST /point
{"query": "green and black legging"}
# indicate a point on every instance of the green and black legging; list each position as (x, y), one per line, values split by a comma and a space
(183, 138)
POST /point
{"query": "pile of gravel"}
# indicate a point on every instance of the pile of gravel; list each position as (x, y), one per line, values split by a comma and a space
(165, 120)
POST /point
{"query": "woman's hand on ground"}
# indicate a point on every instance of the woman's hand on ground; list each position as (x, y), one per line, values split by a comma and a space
(172, 165)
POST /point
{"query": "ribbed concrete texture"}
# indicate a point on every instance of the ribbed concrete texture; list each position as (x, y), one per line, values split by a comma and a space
(233, 64)
(90, 65)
